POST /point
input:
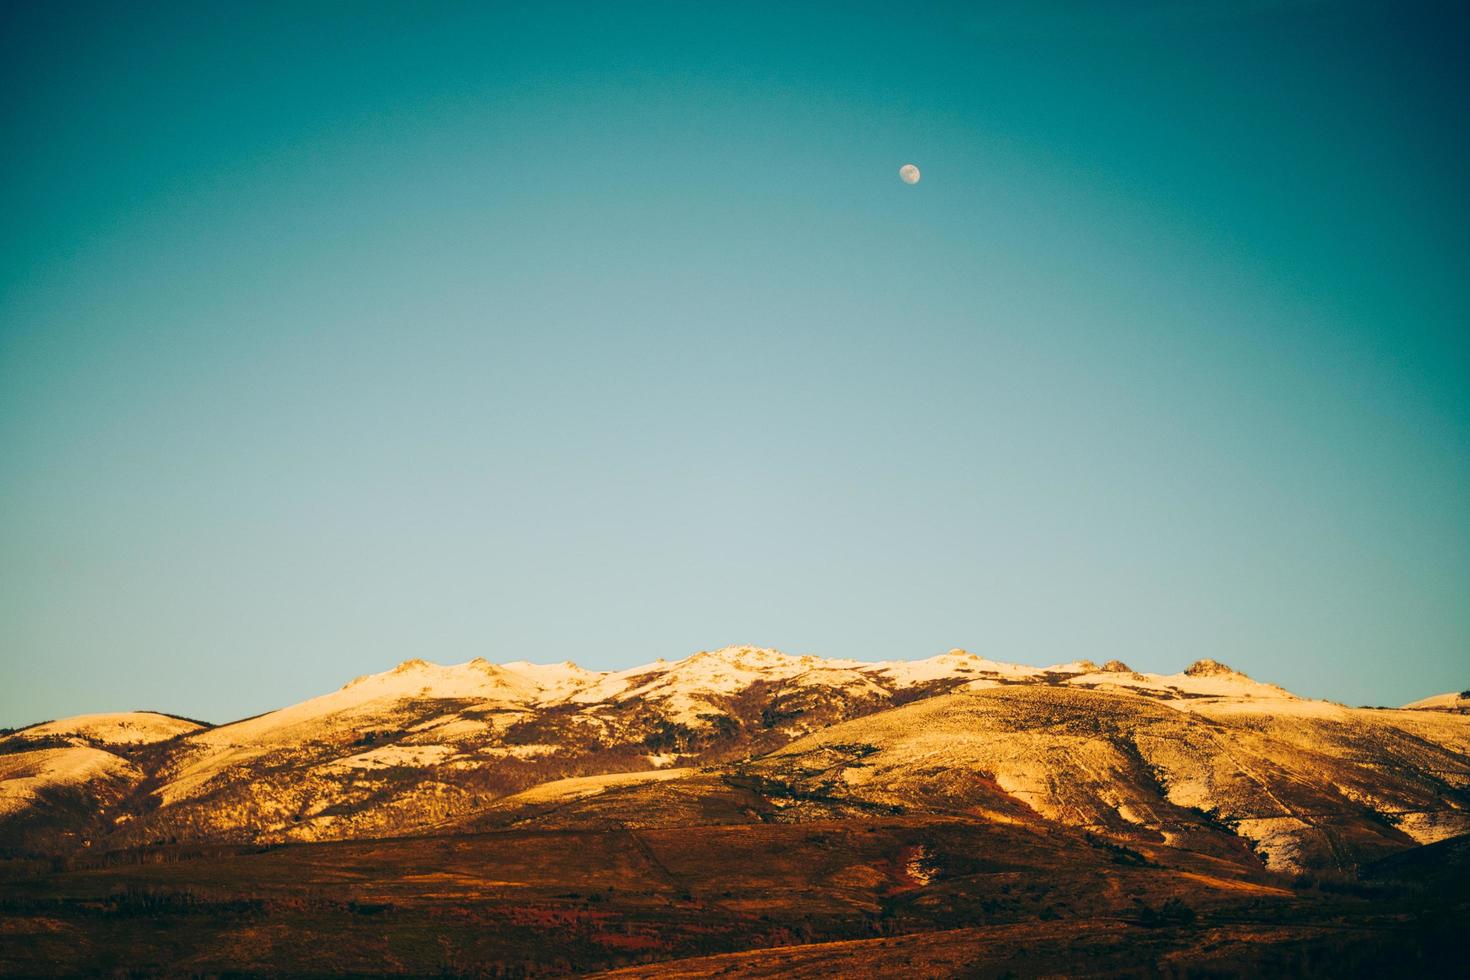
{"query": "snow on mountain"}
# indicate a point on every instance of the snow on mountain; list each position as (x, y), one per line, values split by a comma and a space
(58, 778)
(694, 687)
(555, 682)
(121, 728)
(24, 776)
(955, 663)
(576, 787)
(1319, 788)
(1204, 678)
(1072, 667)
(333, 723)
(853, 682)
(477, 678)
(360, 701)
(731, 669)
(424, 745)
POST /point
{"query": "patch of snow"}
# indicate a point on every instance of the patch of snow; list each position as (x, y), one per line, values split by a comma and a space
(554, 682)
(387, 756)
(24, 775)
(577, 787)
(1227, 684)
(1431, 826)
(852, 681)
(518, 751)
(1072, 667)
(1278, 840)
(955, 663)
(118, 728)
(919, 867)
(729, 671)
(454, 727)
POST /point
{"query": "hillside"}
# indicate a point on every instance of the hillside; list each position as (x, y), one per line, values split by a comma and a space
(1206, 759)
(745, 812)
(64, 781)
(1449, 701)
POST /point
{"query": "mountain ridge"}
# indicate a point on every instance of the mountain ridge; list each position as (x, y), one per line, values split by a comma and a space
(1204, 758)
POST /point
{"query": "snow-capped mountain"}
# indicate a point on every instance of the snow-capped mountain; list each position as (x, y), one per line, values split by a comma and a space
(1205, 758)
(1305, 783)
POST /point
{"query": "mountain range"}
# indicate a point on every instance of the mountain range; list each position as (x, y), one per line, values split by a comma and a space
(1207, 761)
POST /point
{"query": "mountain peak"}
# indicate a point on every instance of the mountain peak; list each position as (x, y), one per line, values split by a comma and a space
(1210, 668)
(736, 651)
(1073, 667)
(746, 657)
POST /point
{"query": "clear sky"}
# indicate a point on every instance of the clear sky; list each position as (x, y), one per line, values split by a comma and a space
(333, 335)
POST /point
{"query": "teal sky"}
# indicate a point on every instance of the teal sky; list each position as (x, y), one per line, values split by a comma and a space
(335, 336)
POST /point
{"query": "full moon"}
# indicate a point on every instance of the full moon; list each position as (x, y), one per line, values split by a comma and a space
(909, 173)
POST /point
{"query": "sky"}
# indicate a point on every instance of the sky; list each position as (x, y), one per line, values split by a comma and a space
(333, 335)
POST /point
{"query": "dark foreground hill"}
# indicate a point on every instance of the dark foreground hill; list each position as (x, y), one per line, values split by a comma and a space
(893, 896)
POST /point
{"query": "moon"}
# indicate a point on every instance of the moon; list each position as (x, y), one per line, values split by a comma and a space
(908, 173)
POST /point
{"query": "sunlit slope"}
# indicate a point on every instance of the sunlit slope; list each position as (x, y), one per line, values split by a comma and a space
(1207, 759)
(61, 782)
(1448, 701)
(1307, 784)
(422, 744)
(53, 757)
(410, 748)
